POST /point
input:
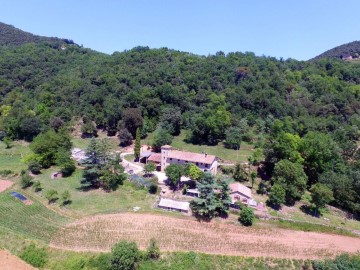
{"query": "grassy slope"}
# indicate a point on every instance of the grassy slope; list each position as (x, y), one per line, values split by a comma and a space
(10, 159)
(217, 150)
(94, 201)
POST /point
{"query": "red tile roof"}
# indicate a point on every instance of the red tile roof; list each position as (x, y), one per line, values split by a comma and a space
(237, 187)
(191, 157)
(155, 157)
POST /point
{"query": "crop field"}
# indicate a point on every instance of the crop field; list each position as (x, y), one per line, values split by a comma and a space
(99, 233)
(32, 221)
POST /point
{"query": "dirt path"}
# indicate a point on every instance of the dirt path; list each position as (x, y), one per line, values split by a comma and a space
(11, 262)
(99, 233)
(5, 184)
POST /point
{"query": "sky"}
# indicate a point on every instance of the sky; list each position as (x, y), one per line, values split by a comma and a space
(299, 29)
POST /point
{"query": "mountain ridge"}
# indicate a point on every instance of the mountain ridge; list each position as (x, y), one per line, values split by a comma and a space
(10, 35)
(341, 51)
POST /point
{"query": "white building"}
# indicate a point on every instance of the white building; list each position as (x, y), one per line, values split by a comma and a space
(205, 162)
(172, 205)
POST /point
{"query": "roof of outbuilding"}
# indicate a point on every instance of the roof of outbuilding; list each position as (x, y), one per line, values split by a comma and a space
(174, 204)
(155, 157)
(237, 187)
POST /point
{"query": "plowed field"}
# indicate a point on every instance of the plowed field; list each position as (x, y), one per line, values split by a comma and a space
(99, 233)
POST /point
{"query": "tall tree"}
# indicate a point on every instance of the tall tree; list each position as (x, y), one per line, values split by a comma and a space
(137, 145)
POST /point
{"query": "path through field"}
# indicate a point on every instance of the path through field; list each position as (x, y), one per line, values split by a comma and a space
(11, 262)
(99, 233)
(5, 184)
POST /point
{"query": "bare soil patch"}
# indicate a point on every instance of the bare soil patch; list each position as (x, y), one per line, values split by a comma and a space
(5, 184)
(100, 233)
(11, 262)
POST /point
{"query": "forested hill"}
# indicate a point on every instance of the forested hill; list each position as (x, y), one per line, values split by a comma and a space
(307, 113)
(352, 48)
(9, 35)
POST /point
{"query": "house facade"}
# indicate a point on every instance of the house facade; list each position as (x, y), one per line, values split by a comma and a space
(205, 162)
(240, 193)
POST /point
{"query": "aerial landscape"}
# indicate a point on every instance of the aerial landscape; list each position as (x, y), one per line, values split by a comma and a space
(150, 157)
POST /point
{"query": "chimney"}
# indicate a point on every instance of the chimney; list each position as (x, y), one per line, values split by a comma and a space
(205, 154)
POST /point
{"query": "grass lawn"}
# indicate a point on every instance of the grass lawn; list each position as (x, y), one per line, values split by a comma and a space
(217, 150)
(10, 159)
(31, 221)
(83, 143)
(94, 201)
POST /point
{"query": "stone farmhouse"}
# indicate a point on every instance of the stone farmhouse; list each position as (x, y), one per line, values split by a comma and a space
(205, 162)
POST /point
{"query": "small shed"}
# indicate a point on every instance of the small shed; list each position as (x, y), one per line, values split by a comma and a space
(193, 192)
(172, 205)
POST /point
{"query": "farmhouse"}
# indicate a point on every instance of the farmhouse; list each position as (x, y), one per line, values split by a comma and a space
(205, 162)
(240, 193)
(172, 205)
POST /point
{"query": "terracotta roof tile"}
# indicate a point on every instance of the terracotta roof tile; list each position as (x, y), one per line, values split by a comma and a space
(237, 187)
(192, 157)
(155, 157)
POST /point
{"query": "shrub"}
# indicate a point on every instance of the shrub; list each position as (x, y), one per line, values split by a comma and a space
(26, 180)
(153, 250)
(35, 256)
(52, 195)
(34, 167)
(153, 189)
(37, 186)
(65, 197)
(227, 169)
(6, 172)
(247, 216)
(124, 256)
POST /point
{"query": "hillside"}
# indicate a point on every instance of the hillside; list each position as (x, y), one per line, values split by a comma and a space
(352, 48)
(9, 35)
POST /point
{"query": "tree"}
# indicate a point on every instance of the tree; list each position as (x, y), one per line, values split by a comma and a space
(30, 127)
(210, 204)
(320, 154)
(153, 251)
(292, 178)
(137, 145)
(132, 120)
(46, 146)
(233, 138)
(253, 178)
(34, 167)
(26, 180)
(277, 196)
(35, 256)
(194, 172)
(174, 173)
(65, 197)
(125, 137)
(321, 195)
(124, 256)
(239, 173)
(161, 137)
(52, 196)
(66, 164)
(247, 216)
(8, 142)
(149, 168)
(37, 186)
(89, 130)
(56, 123)
(170, 120)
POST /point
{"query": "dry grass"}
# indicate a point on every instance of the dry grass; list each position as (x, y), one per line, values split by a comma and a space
(99, 233)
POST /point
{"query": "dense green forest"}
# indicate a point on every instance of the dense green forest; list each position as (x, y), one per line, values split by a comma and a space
(305, 115)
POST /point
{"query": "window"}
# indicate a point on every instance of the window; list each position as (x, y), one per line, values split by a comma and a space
(197, 163)
(170, 158)
(206, 166)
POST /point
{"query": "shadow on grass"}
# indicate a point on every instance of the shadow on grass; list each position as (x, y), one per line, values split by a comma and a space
(310, 210)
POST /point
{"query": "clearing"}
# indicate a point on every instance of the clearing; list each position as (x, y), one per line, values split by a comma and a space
(11, 262)
(99, 233)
